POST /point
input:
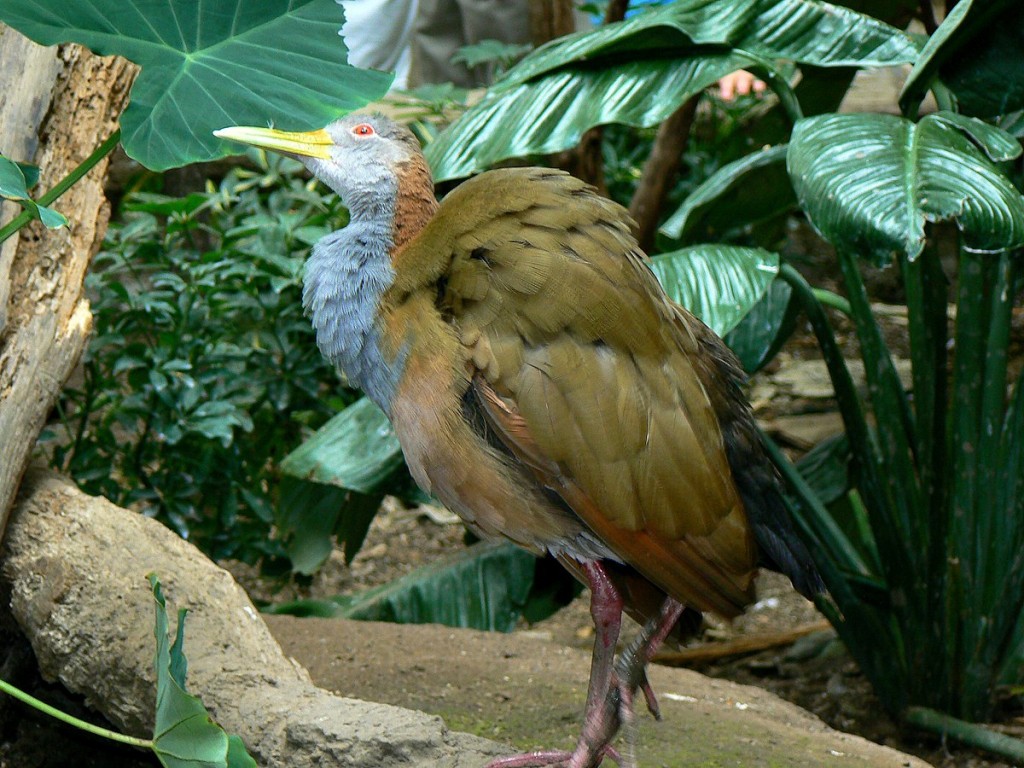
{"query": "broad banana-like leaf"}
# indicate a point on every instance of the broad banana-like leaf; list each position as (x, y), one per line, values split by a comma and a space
(485, 586)
(209, 65)
(356, 450)
(550, 114)
(749, 190)
(334, 483)
(805, 31)
(978, 54)
(718, 283)
(870, 182)
(639, 71)
(311, 517)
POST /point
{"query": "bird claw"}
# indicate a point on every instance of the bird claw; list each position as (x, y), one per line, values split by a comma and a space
(547, 757)
(650, 698)
(556, 758)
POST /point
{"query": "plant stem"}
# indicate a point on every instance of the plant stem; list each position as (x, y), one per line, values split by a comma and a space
(820, 522)
(74, 721)
(851, 408)
(969, 733)
(770, 75)
(833, 300)
(64, 184)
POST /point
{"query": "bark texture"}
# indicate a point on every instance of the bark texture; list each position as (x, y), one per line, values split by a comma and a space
(75, 567)
(660, 171)
(550, 19)
(57, 106)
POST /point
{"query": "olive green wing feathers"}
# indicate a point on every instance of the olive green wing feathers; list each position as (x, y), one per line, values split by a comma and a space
(589, 376)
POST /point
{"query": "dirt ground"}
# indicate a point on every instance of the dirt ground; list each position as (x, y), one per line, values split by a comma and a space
(813, 671)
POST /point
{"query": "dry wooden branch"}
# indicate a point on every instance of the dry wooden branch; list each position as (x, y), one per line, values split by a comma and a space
(70, 99)
(703, 655)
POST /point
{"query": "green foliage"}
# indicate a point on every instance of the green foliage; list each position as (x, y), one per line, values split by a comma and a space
(943, 167)
(205, 66)
(335, 483)
(184, 734)
(978, 55)
(202, 372)
(718, 283)
(15, 181)
(757, 188)
(653, 63)
(495, 52)
(486, 586)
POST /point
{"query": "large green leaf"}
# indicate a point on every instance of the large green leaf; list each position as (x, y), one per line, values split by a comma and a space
(485, 586)
(209, 65)
(978, 52)
(639, 71)
(311, 517)
(718, 283)
(870, 182)
(184, 734)
(804, 31)
(551, 114)
(356, 450)
(747, 191)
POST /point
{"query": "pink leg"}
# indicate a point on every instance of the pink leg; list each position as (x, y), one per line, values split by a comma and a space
(600, 722)
(613, 686)
(606, 611)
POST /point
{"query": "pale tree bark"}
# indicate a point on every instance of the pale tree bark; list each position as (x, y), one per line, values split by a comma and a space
(56, 106)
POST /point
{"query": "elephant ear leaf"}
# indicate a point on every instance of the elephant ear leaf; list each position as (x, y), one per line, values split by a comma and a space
(209, 65)
(895, 175)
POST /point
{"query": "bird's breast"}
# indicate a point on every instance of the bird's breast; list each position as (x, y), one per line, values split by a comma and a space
(346, 277)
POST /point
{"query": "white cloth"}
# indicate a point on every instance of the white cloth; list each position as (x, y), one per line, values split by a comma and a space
(378, 35)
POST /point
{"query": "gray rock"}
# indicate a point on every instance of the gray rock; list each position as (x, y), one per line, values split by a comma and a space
(76, 569)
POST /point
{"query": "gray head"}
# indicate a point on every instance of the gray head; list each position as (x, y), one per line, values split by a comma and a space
(359, 156)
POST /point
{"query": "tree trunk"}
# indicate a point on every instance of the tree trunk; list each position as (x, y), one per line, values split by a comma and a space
(550, 19)
(57, 105)
(660, 171)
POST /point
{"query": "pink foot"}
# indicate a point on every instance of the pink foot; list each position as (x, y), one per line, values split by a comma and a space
(552, 758)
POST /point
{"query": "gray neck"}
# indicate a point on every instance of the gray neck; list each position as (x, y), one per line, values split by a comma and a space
(346, 276)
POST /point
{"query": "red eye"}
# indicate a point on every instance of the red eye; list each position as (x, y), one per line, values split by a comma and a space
(363, 129)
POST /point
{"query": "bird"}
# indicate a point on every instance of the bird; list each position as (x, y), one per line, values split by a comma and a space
(544, 387)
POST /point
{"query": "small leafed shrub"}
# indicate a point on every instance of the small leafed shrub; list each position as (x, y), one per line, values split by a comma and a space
(202, 372)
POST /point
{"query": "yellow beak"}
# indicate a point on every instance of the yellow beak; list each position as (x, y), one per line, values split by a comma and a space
(307, 143)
